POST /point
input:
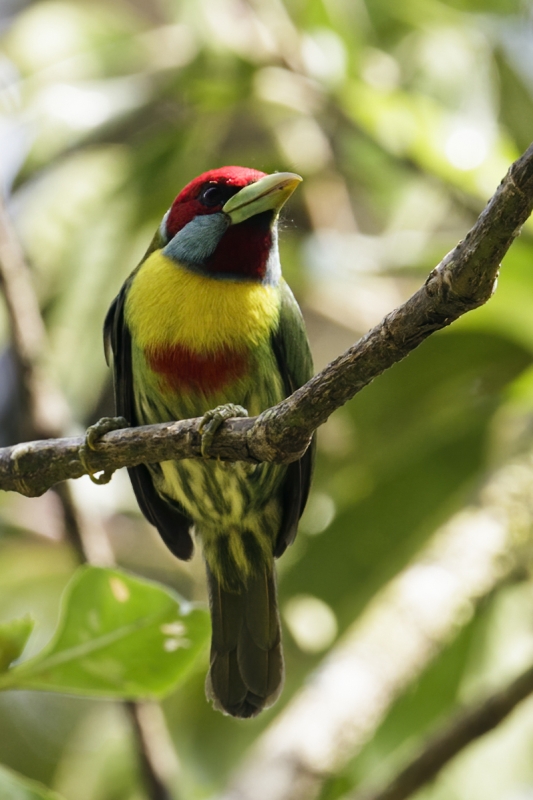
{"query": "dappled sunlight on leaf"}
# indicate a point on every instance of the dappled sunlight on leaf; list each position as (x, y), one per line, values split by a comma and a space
(118, 637)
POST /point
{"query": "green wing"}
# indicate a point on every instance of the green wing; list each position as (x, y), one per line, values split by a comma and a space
(291, 347)
(171, 522)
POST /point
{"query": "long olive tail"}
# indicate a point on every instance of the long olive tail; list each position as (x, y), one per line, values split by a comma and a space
(246, 672)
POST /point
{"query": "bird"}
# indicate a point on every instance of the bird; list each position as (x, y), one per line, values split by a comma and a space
(206, 326)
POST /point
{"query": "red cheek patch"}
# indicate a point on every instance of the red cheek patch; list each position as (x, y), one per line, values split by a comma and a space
(183, 370)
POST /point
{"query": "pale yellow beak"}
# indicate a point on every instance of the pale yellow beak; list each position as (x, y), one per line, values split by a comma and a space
(267, 194)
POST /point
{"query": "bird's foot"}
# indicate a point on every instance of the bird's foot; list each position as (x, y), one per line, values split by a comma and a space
(213, 419)
(92, 435)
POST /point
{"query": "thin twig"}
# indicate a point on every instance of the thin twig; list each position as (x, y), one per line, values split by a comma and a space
(464, 280)
(45, 411)
(157, 757)
(44, 408)
(469, 725)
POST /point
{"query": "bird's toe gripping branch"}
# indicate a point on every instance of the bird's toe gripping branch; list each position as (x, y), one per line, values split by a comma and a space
(92, 436)
(213, 419)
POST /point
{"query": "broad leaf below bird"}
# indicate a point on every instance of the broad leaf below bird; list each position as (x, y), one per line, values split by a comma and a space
(207, 326)
(118, 636)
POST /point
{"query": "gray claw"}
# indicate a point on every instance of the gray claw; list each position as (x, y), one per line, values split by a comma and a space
(92, 435)
(213, 419)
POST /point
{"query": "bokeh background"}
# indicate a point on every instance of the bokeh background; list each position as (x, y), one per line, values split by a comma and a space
(402, 118)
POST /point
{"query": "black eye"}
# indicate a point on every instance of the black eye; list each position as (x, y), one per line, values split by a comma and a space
(216, 194)
(212, 195)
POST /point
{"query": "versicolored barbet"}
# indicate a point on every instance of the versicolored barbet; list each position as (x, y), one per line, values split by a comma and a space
(206, 320)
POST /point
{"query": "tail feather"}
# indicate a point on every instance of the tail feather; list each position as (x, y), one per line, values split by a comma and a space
(225, 616)
(246, 672)
(261, 609)
(252, 662)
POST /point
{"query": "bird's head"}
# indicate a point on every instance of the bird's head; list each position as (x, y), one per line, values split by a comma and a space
(224, 223)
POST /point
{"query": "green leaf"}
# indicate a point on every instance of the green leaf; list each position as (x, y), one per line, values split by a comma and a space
(118, 636)
(13, 637)
(16, 787)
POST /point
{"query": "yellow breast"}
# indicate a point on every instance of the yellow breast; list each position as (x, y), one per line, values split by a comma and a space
(168, 304)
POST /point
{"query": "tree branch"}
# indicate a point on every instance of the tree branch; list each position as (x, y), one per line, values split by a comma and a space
(464, 280)
(467, 726)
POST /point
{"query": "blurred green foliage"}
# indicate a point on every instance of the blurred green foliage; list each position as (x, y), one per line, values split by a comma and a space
(14, 787)
(402, 119)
